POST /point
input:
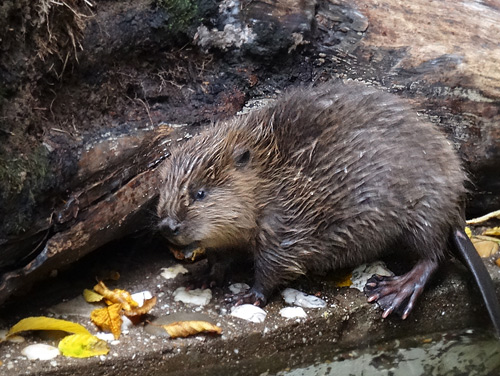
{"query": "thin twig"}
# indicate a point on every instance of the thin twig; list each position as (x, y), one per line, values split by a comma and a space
(147, 109)
(484, 218)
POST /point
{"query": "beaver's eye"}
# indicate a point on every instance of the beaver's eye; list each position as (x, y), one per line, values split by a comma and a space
(200, 195)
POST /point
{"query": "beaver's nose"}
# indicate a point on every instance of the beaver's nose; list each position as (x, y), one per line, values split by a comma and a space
(169, 226)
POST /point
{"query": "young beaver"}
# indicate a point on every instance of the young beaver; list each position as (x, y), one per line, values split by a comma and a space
(325, 178)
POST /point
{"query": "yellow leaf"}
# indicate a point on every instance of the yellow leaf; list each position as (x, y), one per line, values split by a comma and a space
(92, 296)
(187, 328)
(495, 231)
(197, 253)
(345, 281)
(468, 231)
(108, 319)
(82, 346)
(116, 296)
(47, 323)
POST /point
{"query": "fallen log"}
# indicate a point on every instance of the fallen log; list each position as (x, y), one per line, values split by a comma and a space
(82, 162)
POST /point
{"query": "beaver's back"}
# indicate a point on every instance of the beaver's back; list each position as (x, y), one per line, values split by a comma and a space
(363, 172)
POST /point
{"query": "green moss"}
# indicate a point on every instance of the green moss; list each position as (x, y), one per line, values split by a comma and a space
(22, 177)
(182, 13)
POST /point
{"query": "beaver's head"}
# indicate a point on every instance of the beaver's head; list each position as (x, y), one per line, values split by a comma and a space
(209, 191)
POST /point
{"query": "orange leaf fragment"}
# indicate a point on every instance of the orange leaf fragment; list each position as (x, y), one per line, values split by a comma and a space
(108, 319)
(188, 328)
(135, 314)
(116, 296)
(179, 255)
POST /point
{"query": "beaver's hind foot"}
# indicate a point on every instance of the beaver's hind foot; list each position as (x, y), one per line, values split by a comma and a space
(398, 294)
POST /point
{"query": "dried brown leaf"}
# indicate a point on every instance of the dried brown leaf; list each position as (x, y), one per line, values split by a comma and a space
(135, 314)
(116, 296)
(485, 248)
(188, 328)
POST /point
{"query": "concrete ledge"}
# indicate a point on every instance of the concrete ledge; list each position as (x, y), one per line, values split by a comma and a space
(348, 322)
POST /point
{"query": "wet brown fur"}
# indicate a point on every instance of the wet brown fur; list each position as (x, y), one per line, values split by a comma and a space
(335, 176)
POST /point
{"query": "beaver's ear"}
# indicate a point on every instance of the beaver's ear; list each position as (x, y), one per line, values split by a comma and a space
(241, 156)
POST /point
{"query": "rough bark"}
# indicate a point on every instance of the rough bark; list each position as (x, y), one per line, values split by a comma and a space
(82, 134)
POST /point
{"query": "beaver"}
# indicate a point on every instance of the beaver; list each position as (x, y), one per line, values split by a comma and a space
(326, 177)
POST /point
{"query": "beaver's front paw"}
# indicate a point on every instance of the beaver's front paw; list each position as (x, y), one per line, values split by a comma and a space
(252, 296)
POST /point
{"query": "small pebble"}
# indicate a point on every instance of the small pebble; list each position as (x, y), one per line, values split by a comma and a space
(197, 296)
(40, 351)
(3, 334)
(249, 312)
(126, 324)
(301, 299)
(140, 297)
(16, 339)
(173, 271)
(293, 312)
(108, 337)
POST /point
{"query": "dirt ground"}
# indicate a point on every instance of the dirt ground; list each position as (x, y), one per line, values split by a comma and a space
(244, 348)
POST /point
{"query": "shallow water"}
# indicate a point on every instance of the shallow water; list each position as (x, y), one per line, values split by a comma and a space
(466, 353)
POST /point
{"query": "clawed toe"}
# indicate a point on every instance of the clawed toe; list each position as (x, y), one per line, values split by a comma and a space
(251, 297)
(392, 294)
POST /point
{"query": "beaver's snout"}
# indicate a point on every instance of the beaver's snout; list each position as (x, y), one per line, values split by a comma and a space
(169, 227)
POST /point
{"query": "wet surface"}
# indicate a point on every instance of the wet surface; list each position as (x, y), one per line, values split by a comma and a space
(464, 353)
(347, 332)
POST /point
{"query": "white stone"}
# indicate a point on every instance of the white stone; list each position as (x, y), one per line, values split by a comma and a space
(140, 297)
(40, 351)
(293, 312)
(3, 334)
(249, 312)
(301, 299)
(15, 339)
(126, 324)
(197, 297)
(108, 337)
(173, 271)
